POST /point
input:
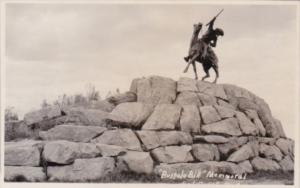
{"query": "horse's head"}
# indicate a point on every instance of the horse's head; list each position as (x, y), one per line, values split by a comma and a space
(198, 26)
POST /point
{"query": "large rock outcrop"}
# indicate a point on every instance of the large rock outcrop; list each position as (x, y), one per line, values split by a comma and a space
(160, 127)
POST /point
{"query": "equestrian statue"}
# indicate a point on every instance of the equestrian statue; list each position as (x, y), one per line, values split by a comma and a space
(201, 49)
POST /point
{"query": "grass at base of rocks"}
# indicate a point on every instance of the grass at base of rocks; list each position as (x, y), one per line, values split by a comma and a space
(260, 177)
(257, 178)
(269, 177)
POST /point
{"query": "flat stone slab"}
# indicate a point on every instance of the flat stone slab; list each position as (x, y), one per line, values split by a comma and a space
(132, 114)
(250, 150)
(65, 152)
(270, 152)
(190, 120)
(24, 173)
(253, 116)
(188, 98)
(122, 98)
(224, 112)
(287, 163)
(209, 114)
(173, 154)
(207, 100)
(215, 90)
(82, 170)
(233, 91)
(154, 139)
(83, 116)
(263, 164)
(42, 114)
(244, 104)
(186, 84)
(246, 166)
(150, 139)
(120, 137)
(75, 133)
(138, 162)
(110, 150)
(167, 138)
(206, 152)
(225, 104)
(134, 85)
(23, 153)
(272, 126)
(279, 127)
(156, 90)
(247, 127)
(232, 145)
(286, 146)
(216, 139)
(228, 126)
(267, 140)
(164, 117)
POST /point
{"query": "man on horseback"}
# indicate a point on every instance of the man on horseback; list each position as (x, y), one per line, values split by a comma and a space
(208, 39)
(200, 49)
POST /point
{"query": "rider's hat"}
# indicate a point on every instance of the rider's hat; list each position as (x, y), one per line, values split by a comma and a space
(219, 31)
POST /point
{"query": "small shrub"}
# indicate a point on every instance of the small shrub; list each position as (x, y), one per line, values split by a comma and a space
(19, 178)
(10, 114)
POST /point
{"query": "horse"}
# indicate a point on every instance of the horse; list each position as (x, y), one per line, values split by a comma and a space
(208, 62)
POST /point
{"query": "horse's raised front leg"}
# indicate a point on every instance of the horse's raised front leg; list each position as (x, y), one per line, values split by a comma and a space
(195, 70)
(186, 68)
(217, 73)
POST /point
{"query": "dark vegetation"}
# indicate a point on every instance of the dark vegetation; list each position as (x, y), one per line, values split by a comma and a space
(260, 177)
(15, 128)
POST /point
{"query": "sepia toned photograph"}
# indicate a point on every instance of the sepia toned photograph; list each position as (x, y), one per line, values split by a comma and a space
(146, 92)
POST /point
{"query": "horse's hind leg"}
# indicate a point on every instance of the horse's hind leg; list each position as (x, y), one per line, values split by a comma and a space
(217, 73)
(206, 76)
(206, 70)
(195, 70)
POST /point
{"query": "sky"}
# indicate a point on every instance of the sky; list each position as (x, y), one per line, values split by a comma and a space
(55, 49)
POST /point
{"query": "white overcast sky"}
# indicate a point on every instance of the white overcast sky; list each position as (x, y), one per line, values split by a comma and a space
(52, 49)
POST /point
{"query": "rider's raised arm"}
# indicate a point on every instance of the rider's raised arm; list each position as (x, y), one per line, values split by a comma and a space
(213, 43)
